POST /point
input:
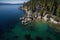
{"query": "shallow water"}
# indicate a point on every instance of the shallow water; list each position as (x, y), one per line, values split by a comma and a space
(12, 29)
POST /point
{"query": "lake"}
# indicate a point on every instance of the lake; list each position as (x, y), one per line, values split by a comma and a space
(9, 14)
(12, 29)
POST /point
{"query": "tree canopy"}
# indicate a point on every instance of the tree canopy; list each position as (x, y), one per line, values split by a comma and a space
(52, 6)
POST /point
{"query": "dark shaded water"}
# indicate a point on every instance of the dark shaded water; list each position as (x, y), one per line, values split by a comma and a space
(9, 14)
(12, 29)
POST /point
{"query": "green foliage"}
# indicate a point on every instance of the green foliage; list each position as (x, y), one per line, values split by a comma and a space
(52, 5)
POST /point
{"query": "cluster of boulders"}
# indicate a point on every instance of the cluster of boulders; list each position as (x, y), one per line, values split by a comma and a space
(34, 14)
(26, 20)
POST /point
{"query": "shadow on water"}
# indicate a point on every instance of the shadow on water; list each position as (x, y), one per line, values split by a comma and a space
(39, 38)
(28, 37)
(8, 26)
(53, 32)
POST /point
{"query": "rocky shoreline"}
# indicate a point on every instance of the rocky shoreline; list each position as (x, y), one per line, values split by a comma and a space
(29, 17)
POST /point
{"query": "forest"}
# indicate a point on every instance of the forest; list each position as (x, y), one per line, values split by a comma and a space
(52, 6)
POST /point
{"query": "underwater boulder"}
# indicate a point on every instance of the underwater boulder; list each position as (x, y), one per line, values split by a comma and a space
(39, 38)
(28, 37)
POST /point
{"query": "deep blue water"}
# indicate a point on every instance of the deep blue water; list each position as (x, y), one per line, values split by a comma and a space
(9, 15)
(9, 18)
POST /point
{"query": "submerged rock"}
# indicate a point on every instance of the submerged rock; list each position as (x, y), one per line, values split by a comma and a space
(8, 39)
(48, 38)
(16, 36)
(28, 37)
(32, 28)
(39, 38)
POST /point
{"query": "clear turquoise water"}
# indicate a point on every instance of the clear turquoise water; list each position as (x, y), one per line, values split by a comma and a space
(14, 30)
